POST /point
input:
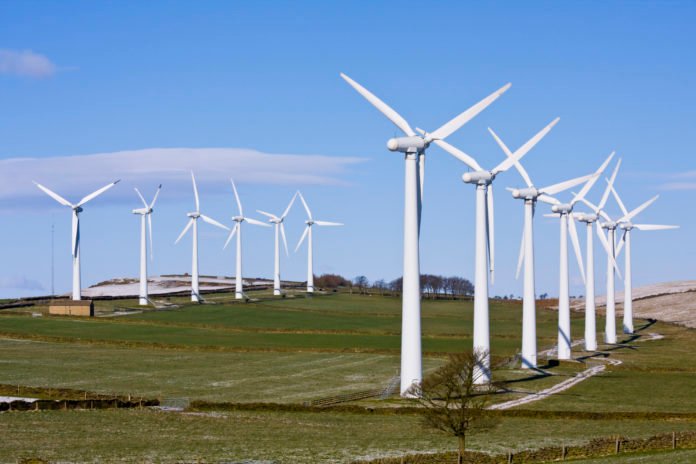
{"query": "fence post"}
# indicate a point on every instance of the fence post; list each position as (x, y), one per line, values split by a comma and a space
(618, 445)
(674, 440)
(509, 457)
(564, 451)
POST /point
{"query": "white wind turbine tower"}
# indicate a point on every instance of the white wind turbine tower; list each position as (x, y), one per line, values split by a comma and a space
(627, 226)
(237, 229)
(485, 238)
(530, 195)
(413, 147)
(145, 211)
(564, 211)
(193, 222)
(609, 244)
(279, 230)
(308, 233)
(75, 242)
(589, 219)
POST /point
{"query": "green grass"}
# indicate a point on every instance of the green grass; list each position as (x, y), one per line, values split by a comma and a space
(657, 457)
(290, 350)
(135, 435)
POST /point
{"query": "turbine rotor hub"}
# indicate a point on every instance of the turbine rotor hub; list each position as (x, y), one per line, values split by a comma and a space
(478, 177)
(529, 193)
(563, 208)
(413, 144)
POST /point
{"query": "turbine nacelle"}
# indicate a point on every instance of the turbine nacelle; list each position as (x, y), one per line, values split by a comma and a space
(194, 215)
(413, 144)
(77, 209)
(238, 218)
(526, 193)
(563, 208)
(583, 217)
(626, 225)
(610, 225)
(478, 177)
(143, 211)
(309, 222)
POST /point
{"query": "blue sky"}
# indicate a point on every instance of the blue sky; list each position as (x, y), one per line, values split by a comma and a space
(85, 78)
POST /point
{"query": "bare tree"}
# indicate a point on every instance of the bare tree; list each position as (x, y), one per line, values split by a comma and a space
(452, 401)
(361, 282)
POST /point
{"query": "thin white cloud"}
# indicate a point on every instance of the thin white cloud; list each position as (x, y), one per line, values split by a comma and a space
(678, 186)
(25, 63)
(681, 181)
(75, 176)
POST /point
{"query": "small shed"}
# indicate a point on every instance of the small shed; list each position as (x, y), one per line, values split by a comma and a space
(83, 308)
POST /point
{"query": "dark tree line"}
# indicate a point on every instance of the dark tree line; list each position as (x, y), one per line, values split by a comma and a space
(432, 286)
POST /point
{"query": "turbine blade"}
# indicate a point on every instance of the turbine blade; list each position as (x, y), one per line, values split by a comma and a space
(272, 216)
(95, 194)
(576, 245)
(304, 234)
(653, 227)
(257, 223)
(636, 211)
(154, 200)
(565, 185)
(521, 257)
(509, 154)
(490, 223)
(524, 149)
(149, 223)
(287, 210)
(618, 200)
(591, 205)
(213, 222)
(54, 195)
(590, 183)
(548, 199)
(605, 195)
(607, 248)
(621, 244)
(183, 232)
(195, 193)
(236, 197)
(385, 109)
(141, 197)
(327, 223)
(455, 123)
(460, 155)
(231, 234)
(75, 234)
(309, 213)
(285, 240)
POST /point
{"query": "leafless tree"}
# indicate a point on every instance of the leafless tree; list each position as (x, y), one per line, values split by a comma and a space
(452, 401)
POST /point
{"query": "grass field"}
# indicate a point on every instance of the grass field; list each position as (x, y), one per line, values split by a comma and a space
(131, 435)
(290, 350)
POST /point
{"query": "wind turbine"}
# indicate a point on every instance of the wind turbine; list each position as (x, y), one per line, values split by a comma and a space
(627, 226)
(609, 244)
(237, 229)
(144, 212)
(485, 238)
(279, 230)
(564, 211)
(530, 195)
(193, 222)
(75, 243)
(308, 233)
(589, 219)
(413, 147)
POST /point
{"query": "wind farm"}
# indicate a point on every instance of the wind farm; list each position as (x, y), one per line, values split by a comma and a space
(410, 320)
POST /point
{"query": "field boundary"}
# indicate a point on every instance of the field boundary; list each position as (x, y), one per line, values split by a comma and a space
(595, 448)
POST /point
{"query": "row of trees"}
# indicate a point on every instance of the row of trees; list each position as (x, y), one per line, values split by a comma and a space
(432, 286)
